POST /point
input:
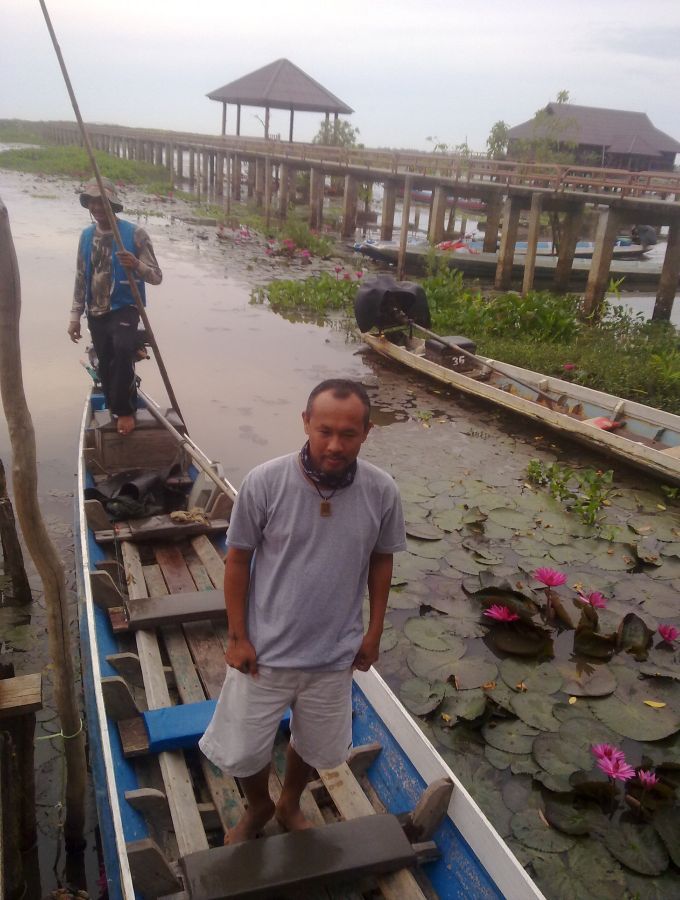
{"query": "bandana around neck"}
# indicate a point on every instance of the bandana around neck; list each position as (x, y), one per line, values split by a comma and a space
(334, 482)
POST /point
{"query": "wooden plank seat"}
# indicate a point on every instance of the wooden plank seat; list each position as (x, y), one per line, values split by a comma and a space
(158, 528)
(372, 844)
(169, 728)
(169, 609)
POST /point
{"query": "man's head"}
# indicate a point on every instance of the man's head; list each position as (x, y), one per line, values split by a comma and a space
(91, 198)
(337, 422)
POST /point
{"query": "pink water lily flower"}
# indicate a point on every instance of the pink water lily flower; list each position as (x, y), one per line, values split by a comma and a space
(607, 751)
(669, 633)
(616, 768)
(501, 613)
(550, 577)
(647, 779)
(594, 599)
(569, 367)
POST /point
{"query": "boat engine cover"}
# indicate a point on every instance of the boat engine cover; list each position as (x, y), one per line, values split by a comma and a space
(383, 302)
(438, 352)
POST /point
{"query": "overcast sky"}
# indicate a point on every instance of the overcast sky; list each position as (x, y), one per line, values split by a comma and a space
(410, 70)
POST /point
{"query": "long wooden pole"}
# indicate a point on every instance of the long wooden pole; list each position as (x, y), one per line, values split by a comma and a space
(109, 214)
(38, 541)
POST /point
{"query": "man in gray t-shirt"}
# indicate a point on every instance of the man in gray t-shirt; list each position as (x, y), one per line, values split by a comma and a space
(309, 532)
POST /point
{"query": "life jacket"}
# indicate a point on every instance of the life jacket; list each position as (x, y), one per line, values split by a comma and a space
(121, 295)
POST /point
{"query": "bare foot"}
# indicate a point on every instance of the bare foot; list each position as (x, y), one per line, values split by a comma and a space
(126, 424)
(292, 819)
(251, 822)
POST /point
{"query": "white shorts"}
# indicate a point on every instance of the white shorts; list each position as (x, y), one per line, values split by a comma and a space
(241, 734)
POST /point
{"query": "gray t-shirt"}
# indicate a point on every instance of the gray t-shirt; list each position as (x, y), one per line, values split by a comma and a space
(309, 572)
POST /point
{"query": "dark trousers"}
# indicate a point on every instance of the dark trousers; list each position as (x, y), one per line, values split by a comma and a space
(114, 336)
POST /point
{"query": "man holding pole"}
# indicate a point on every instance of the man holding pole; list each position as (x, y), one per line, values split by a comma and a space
(308, 534)
(102, 288)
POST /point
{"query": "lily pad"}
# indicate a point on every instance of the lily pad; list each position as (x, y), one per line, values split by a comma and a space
(521, 640)
(434, 665)
(584, 732)
(531, 830)
(389, 639)
(499, 759)
(513, 737)
(587, 680)
(431, 634)
(473, 672)
(510, 518)
(463, 704)
(638, 847)
(632, 718)
(634, 636)
(463, 562)
(423, 531)
(536, 710)
(559, 757)
(463, 619)
(667, 824)
(648, 551)
(662, 664)
(427, 549)
(449, 520)
(420, 696)
(570, 819)
(581, 875)
(525, 675)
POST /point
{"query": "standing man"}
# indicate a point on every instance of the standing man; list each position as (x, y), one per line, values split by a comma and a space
(308, 533)
(102, 289)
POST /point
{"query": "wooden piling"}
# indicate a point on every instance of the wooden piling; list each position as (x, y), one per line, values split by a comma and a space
(451, 222)
(259, 183)
(236, 179)
(267, 193)
(438, 211)
(284, 187)
(506, 254)
(388, 207)
(598, 278)
(494, 207)
(316, 183)
(349, 207)
(532, 241)
(668, 283)
(403, 236)
(12, 554)
(571, 229)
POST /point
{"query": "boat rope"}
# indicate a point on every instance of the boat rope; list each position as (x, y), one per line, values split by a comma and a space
(60, 734)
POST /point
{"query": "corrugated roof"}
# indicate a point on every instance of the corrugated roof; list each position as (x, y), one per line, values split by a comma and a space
(619, 130)
(280, 85)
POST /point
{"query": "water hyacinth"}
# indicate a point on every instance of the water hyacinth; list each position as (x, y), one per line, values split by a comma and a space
(594, 599)
(550, 577)
(669, 633)
(500, 613)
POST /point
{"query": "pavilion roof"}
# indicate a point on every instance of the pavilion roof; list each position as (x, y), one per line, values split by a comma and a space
(619, 130)
(280, 85)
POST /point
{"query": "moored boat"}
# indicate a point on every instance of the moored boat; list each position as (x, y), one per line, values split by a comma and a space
(152, 518)
(389, 312)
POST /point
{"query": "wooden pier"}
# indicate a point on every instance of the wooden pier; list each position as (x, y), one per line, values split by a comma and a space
(619, 197)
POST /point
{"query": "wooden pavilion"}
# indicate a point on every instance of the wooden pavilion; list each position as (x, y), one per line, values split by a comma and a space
(614, 138)
(279, 85)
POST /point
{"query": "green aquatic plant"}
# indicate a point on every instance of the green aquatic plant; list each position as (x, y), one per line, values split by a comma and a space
(320, 294)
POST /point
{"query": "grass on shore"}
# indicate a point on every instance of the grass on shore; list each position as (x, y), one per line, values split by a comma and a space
(16, 131)
(73, 162)
(621, 355)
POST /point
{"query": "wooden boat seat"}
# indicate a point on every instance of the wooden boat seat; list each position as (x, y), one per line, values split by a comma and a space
(158, 528)
(673, 452)
(373, 844)
(169, 609)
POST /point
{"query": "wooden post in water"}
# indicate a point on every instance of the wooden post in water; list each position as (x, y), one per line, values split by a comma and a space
(493, 219)
(532, 241)
(403, 236)
(571, 228)
(37, 538)
(349, 207)
(267, 193)
(388, 206)
(12, 555)
(437, 211)
(284, 187)
(598, 278)
(668, 283)
(506, 254)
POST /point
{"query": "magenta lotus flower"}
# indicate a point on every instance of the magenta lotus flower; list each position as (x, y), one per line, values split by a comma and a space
(501, 613)
(616, 768)
(360, 274)
(550, 577)
(594, 599)
(647, 779)
(607, 751)
(669, 633)
(569, 367)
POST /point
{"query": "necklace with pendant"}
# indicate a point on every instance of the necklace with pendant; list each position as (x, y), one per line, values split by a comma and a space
(325, 507)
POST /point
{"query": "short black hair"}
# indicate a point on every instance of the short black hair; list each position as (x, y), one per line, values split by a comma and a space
(341, 388)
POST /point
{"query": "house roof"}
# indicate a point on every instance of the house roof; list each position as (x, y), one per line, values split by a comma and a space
(619, 130)
(280, 85)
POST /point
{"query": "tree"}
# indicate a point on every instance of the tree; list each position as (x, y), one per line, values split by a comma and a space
(562, 97)
(336, 134)
(497, 140)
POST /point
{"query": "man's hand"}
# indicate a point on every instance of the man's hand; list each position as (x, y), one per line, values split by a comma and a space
(241, 655)
(368, 654)
(128, 260)
(73, 331)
